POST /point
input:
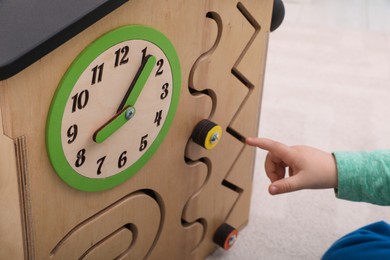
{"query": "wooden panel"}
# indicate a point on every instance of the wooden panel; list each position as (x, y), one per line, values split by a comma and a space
(241, 174)
(11, 226)
(123, 222)
(221, 49)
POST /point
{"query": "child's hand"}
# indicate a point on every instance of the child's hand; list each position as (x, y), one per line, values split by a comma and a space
(309, 168)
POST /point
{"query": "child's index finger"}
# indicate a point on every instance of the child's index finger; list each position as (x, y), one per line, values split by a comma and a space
(264, 143)
(277, 149)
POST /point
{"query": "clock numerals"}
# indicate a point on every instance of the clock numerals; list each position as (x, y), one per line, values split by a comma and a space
(100, 164)
(80, 100)
(159, 64)
(72, 133)
(144, 54)
(165, 91)
(121, 56)
(97, 74)
(122, 160)
(144, 143)
(158, 118)
(80, 158)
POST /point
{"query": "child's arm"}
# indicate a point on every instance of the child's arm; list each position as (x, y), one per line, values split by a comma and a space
(364, 176)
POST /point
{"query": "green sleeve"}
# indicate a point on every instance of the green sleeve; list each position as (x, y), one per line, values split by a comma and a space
(364, 176)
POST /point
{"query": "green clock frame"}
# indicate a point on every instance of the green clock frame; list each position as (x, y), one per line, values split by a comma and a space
(56, 112)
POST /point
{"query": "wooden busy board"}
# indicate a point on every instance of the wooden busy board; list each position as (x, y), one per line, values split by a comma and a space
(123, 125)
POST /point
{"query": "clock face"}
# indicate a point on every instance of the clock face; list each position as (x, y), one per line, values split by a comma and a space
(113, 108)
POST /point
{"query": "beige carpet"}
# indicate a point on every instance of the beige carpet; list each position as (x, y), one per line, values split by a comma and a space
(327, 85)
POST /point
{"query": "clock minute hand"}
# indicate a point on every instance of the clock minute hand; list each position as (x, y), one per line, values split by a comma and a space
(126, 110)
(138, 82)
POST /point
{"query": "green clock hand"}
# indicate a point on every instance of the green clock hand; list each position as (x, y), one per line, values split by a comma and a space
(126, 109)
(138, 82)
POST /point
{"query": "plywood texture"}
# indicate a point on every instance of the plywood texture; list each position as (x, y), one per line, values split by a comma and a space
(11, 226)
(171, 208)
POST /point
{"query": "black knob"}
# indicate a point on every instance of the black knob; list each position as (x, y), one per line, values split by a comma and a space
(225, 236)
(277, 15)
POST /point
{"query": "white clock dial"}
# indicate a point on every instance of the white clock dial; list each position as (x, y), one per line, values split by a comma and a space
(95, 99)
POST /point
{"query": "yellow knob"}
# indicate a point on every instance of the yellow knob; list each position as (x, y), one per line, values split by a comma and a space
(213, 137)
(207, 134)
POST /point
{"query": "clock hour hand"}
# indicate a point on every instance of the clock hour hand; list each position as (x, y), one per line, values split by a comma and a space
(138, 82)
(126, 109)
(112, 125)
